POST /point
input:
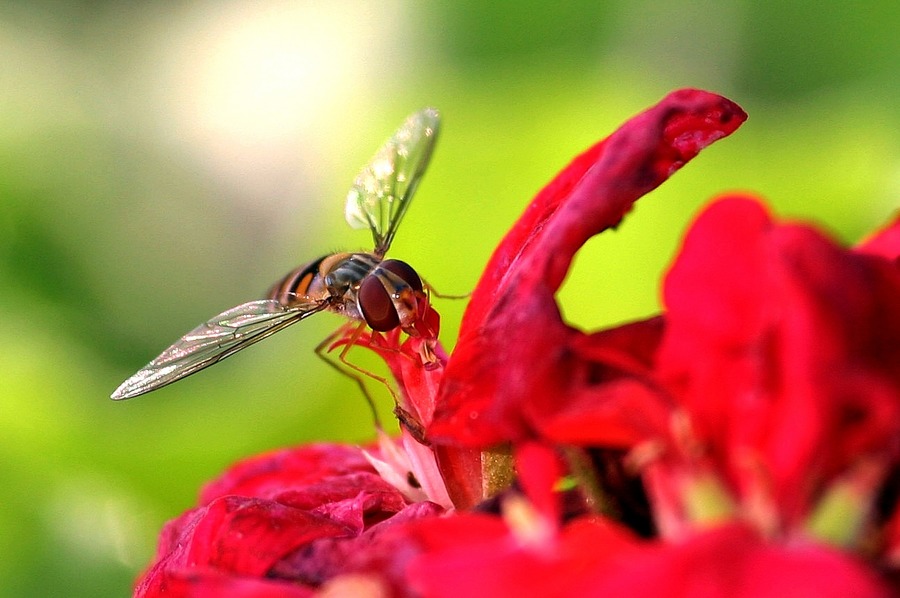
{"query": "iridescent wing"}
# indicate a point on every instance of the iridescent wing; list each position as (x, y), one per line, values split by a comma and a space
(384, 188)
(213, 341)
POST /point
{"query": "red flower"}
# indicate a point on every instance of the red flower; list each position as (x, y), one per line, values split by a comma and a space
(745, 442)
(783, 349)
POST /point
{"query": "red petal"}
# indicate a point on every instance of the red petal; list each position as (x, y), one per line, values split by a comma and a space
(616, 414)
(616, 406)
(354, 501)
(513, 343)
(539, 471)
(885, 242)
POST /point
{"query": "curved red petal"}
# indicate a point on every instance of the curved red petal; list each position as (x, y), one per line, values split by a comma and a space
(513, 343)
(596, 190)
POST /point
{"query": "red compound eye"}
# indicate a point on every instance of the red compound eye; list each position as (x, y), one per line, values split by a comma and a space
(404, 271)
(376, 306)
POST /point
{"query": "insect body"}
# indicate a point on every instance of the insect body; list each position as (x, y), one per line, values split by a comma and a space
(383, 294)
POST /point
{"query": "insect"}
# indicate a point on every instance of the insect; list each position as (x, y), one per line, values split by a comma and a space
(366, 288)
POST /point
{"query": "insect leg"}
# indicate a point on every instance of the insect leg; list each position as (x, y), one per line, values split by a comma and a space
(352, 337)
(343, 357)
(321, 351)
(433, 291)
(405, 418)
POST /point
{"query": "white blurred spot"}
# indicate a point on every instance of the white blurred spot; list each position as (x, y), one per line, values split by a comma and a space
(254, 89)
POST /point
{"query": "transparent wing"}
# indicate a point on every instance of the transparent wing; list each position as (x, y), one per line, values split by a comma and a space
(213, 341)
(384, 188)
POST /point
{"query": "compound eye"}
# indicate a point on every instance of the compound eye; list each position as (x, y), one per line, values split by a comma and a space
(404, 271)
(376, 306)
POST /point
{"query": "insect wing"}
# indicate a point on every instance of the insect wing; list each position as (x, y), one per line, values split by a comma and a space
(213, 341)
(384, 188)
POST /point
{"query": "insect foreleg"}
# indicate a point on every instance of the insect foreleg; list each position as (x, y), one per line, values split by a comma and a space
(342, 367)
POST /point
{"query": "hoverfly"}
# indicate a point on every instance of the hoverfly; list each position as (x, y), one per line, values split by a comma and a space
(364, 287)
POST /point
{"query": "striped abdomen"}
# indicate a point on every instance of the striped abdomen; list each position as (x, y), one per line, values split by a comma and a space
(300, 285)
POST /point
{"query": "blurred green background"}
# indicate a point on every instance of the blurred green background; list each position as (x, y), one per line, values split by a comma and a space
(163, 161)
